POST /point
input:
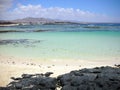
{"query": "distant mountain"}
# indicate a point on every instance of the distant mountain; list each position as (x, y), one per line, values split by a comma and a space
(32, 21)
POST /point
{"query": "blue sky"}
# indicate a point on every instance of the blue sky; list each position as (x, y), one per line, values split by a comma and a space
(111, 7)
(106, 10)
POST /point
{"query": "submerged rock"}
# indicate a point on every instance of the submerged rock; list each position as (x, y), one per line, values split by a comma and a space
(16, 42)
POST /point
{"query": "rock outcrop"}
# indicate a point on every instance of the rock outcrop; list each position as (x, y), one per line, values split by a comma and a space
(103, 78)
(99, 78)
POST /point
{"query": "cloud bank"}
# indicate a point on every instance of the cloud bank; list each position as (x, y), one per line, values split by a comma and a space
(22, 11)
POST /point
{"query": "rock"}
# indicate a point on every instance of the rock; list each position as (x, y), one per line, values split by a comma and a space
(64, 79)
(34, 83)
(27, 75)
(13, 78)
(76, 73)
(77, 80)
(47, 74)
(100, 78)
(117, 65)
(18, 86)
(4, 88)
(83, 87)
(51, 83)
(90, 77)
(48, 66)
(39, 75)
(68, 87)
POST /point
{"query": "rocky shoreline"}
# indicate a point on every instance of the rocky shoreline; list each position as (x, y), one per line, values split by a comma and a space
(99, 78)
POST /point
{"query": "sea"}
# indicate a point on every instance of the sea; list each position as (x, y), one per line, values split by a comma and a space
(93, 41)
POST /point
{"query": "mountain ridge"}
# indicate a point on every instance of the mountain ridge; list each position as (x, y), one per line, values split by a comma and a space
(32, 21)
(37, 21)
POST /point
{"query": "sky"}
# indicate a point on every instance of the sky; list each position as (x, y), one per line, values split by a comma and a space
(76, 10)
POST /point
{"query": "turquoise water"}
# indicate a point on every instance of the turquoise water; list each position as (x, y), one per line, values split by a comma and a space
(83, 42)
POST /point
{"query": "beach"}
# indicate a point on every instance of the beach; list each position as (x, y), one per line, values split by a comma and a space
(16, 66)
(33, 49)
(59, 45)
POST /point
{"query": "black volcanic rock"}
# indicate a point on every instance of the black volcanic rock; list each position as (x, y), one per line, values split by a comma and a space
(103, 78)
(32, 82)
(47, 74)
(99, 78)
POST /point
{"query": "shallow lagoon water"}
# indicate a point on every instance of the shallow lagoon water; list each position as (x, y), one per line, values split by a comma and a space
(77, 42)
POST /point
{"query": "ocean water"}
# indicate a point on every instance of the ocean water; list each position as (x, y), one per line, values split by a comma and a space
(64, 42)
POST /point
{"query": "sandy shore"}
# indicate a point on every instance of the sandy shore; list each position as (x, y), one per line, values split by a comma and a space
(13, 66)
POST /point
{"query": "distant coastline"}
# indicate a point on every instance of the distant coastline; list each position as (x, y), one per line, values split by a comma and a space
(43, 21)
(33, 21)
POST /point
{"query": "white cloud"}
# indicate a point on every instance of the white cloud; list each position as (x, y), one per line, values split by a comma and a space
(23, 11)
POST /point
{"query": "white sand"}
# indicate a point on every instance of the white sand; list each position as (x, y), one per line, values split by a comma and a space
(14, 67)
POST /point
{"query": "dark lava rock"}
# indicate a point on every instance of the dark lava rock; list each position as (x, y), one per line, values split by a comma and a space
(103, 78)
(13, 78)
(27, 75)
(32, 82)
(68, 87)
(47, 74)
(18, 86)
(4, 88)
(99, 78)
(117, 65)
